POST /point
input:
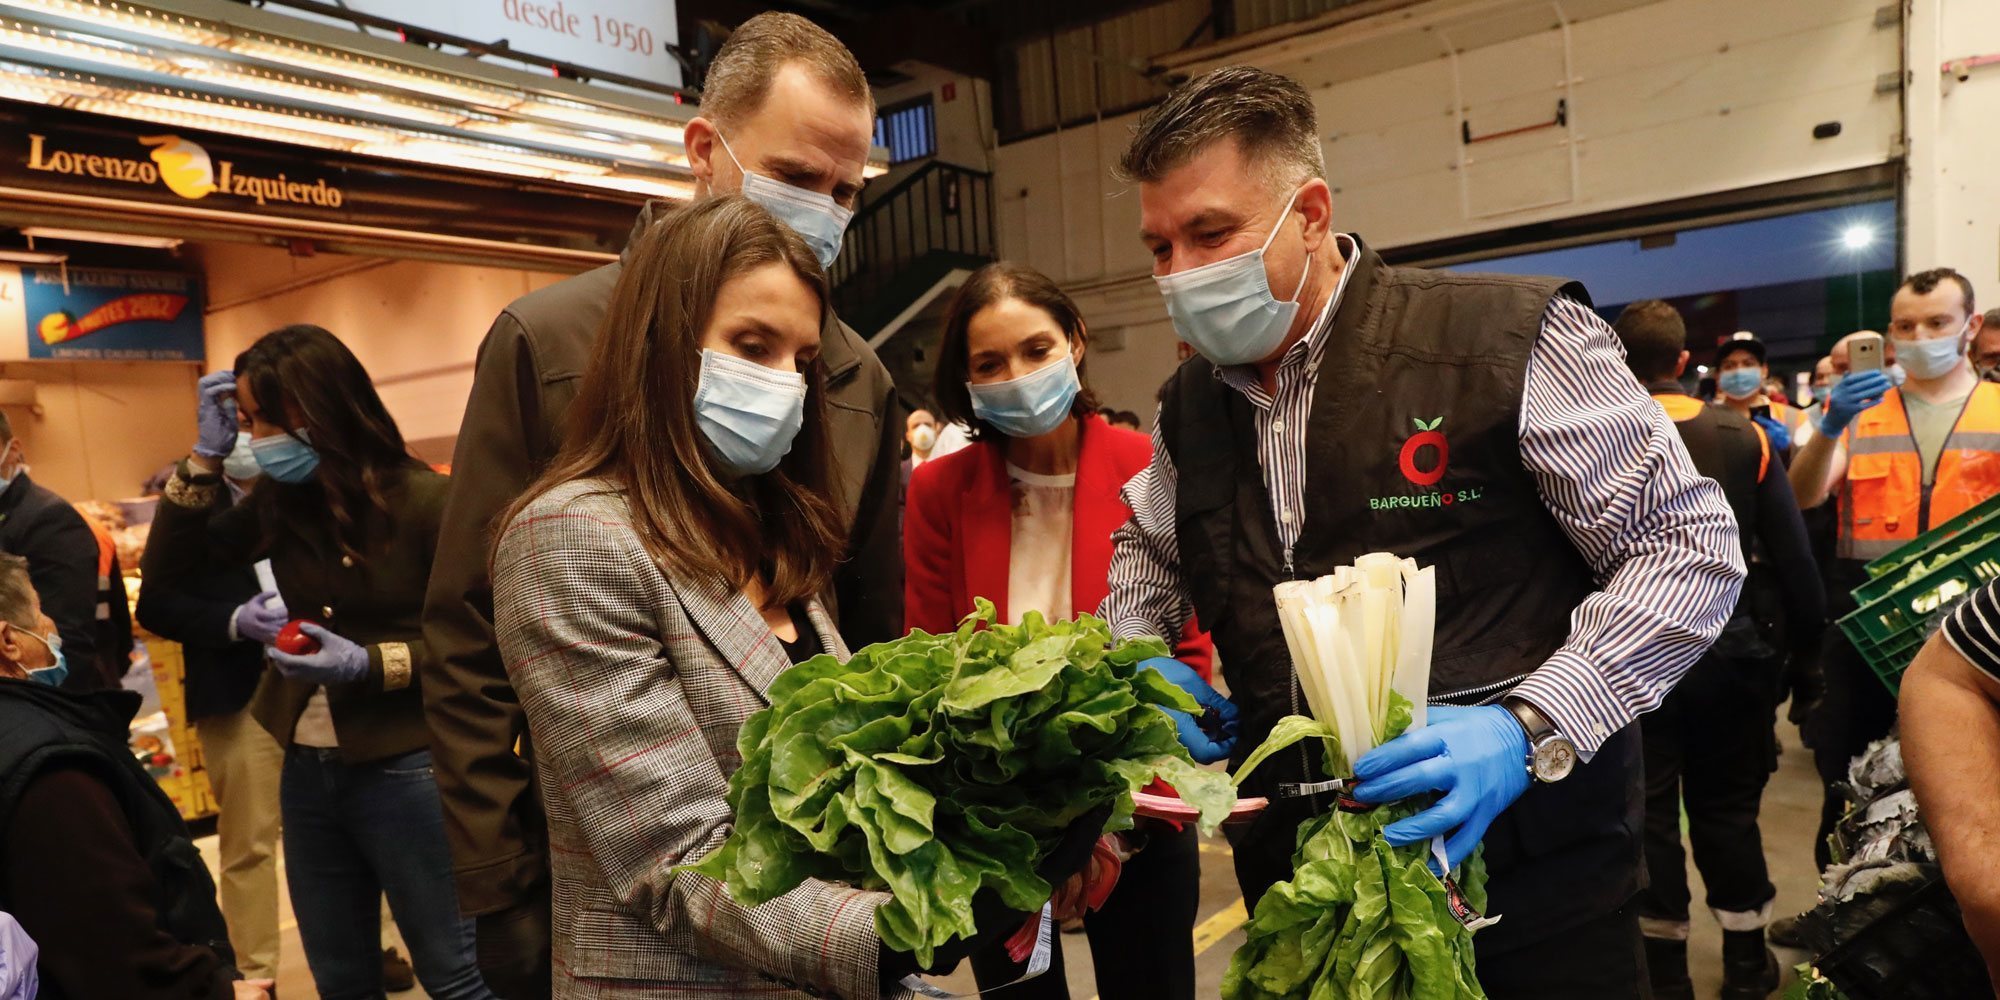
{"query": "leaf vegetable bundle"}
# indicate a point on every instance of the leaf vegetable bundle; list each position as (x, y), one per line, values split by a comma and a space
(936, 766)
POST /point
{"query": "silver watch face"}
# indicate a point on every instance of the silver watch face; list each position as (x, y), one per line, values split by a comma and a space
(1553, 759)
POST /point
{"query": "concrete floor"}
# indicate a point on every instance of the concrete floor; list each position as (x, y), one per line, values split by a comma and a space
(1790, 816)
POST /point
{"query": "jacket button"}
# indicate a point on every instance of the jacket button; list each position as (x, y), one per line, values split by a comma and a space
(347, 562)
(326, 611)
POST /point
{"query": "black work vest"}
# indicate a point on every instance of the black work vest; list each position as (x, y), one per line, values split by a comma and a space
(1413, 449)
(40, 728)
(1724, 446)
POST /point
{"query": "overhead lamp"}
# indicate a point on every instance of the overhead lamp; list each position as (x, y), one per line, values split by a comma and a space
(329, 128)
(654, 187)
(93, 236)
(32, 257)
(1857, 237)
(277, 84)
(129, 17)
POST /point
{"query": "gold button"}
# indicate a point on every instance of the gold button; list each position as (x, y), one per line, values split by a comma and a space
(347, 561)
(326, 611)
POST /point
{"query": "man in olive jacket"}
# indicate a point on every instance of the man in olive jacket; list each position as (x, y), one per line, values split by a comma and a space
(792, 105)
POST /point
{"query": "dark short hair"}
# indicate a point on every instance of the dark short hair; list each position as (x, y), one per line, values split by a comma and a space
(17, 593)
(1925, 282)
(993, 283)
(1654, 335)
(740, 77)
(1991, 321)
(1270, 116)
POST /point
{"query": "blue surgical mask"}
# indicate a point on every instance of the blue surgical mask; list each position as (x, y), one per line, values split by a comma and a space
(1897, 376)
(1740, 383)
(1822, 393)
(1931, 359)
(241, 462)
(817, 218)
(54, 674)
(749, 413)
(286, 458)
(1226, 310)
(1029, 406)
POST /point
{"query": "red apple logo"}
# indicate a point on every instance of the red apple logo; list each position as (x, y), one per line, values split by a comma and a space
(1427, 435)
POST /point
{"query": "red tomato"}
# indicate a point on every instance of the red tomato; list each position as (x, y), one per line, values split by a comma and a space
(294, 640)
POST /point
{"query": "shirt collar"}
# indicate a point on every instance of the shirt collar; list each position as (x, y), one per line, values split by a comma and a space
(1312, 346)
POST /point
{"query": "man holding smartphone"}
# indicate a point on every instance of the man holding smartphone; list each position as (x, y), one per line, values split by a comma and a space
(1903, 459)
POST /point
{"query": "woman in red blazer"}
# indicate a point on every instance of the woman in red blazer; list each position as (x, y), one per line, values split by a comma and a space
(1024, 519)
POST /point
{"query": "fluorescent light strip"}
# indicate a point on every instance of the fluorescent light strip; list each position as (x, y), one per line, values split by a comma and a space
(573, 113)
(245, 114)
(130, 17)
(300, 89)
(451, 158)
(32, 257)
(23, 35)
(659, 188)
(94, 236)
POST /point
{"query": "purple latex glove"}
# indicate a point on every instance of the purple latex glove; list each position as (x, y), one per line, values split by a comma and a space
(339, 660)
(259, 618)
(1478, 757)
(215, 415)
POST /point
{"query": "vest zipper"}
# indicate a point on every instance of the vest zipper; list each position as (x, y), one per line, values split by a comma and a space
(1480, 692)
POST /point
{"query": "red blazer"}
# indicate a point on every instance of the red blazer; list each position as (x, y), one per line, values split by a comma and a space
(958, 530)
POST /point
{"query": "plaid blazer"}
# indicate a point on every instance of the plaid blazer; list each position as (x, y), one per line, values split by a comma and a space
(635, 684)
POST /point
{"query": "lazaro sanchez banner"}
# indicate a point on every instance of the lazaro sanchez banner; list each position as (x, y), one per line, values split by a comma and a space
(100, 314)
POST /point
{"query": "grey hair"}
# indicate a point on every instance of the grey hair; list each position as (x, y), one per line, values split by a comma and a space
(17, 593)
(1270, 116)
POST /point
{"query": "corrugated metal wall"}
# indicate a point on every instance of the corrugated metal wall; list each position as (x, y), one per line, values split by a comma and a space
(1253, 15)
(1077, 73)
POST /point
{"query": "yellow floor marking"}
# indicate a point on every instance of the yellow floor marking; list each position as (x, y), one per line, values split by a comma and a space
(1219, 926)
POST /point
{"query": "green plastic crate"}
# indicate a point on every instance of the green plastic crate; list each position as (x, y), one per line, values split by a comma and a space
(1986, 510)
(1902, 611)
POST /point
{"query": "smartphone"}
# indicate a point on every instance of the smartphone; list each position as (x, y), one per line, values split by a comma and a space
(1864, 354)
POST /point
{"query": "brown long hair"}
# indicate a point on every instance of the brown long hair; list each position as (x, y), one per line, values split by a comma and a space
(633, 421)
(998, 281)
(302, 373)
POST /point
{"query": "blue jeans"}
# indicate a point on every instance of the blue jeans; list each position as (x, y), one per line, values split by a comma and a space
(352, 834)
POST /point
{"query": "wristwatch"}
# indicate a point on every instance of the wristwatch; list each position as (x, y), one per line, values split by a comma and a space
(1551, 756)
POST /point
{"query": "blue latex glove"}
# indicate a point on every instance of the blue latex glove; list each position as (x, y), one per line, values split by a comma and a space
(1855, 394)
(215, 415)
(1204, 746)
(1781, 439)
(339, 660)
(1478, 757)
(259, 618)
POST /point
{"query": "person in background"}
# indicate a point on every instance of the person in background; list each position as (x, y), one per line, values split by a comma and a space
(1986, 347)
(652, 584)
(1708, 746)
(1742, 376)
(1821, 387)
(1950, 704)
(69, 568)
(95, 861)
(920, 432)
(1902, 461)
(223, 624)
(1023, 517)
(1124, 419)
(350, 522)
(787, 120)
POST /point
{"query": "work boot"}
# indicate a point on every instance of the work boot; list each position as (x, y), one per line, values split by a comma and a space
(1749, 970)
(1667, 967)
(1786, 932)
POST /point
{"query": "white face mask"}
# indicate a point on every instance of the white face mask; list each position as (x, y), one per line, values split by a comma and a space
(923, 438)
(1226, 310)
(1932, 359)
(817, 218)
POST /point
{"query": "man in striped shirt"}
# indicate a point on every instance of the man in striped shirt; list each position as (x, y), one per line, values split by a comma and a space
(1482, 424)
(1950, 708)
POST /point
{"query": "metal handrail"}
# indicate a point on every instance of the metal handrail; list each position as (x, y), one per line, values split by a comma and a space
(940, 209)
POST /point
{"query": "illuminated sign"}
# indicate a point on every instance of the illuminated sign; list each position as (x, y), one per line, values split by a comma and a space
(184, 167)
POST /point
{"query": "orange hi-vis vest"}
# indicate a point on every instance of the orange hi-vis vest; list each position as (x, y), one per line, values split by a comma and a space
(1790, 416)
(1884, 501)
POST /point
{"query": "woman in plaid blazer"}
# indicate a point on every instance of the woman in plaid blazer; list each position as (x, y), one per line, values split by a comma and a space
(649, 588)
